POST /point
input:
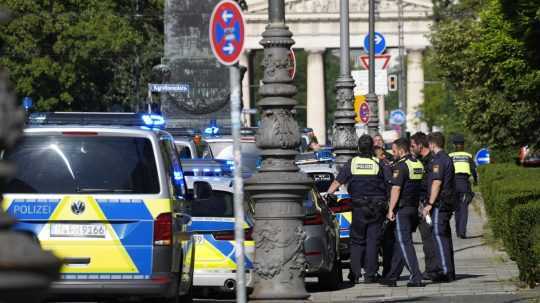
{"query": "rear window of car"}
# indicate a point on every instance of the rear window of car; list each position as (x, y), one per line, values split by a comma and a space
(69, 164)
(220, 204)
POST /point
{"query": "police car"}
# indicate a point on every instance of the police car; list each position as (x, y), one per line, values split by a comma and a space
(106, 193)
(213, 228)
(321, 168)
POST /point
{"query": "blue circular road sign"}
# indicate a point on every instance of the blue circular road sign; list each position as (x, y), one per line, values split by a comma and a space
(397, 117)
(482, 157)
(380, 43)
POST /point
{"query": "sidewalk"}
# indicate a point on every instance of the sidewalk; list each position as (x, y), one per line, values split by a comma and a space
(483, 275)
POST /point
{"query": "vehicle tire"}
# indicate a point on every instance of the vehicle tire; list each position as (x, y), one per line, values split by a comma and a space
(332, 280)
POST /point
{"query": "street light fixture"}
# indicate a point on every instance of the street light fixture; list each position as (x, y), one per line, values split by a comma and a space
(278, 188)
(344, 136)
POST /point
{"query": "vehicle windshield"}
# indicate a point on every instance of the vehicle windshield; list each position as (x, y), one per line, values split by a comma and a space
(220, 204)
(55, 164)
(249, 150)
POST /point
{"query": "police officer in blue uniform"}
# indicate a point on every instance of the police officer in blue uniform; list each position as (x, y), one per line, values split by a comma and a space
(365, 178)
(441, 202)
(406, 183)
(464, 167)
(420, 149)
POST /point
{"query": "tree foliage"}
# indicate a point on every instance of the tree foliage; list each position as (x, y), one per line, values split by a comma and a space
(491, 69)
(79, 54)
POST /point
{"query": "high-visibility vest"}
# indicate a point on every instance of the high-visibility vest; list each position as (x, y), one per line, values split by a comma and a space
(416, 170)
(364, 166)
(462, 164)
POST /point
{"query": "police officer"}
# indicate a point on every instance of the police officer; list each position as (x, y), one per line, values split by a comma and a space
(464, 168)
(441, 202)
(406, 182)
(420, 148)
(365, 177)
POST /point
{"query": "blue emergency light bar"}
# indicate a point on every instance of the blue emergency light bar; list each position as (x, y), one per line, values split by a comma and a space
(80, 118)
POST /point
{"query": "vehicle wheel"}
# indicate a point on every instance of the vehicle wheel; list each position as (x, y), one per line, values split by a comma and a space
(332, 280)
(187, 298)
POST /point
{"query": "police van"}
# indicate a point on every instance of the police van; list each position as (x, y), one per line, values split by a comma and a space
(105, 192)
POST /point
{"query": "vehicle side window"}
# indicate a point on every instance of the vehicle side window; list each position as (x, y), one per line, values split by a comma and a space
(185, 152)
(173, 168)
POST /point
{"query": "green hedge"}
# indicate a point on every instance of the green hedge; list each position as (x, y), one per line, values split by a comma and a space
(526, 241)
(512, 199)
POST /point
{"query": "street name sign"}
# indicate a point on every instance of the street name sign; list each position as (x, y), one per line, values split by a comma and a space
(380, 43)
(168, 87)
(227, 32)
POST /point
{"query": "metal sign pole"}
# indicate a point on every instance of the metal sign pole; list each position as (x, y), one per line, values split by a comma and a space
(234, 75)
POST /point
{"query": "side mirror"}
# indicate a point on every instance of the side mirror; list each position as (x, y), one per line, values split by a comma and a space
(202, 190)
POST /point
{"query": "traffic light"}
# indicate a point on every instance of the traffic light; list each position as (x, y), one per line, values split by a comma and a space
(392, 83)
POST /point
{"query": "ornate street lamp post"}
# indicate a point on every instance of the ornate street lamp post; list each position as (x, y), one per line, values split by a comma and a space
(371, 98)
(344, 136)
(25, 270)
(278, 188)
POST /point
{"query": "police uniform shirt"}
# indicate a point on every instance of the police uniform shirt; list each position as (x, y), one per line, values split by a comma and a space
(365, 177)
(407, 173)
(425, 161)
(441, 167)
(464, 168)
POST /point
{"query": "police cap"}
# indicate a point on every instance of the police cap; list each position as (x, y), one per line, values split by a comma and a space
(458, 139)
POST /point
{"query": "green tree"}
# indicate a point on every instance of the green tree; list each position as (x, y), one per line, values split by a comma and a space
(75, 54)
(491, 69)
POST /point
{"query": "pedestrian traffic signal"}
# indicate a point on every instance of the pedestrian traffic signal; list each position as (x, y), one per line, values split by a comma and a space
(392, 83)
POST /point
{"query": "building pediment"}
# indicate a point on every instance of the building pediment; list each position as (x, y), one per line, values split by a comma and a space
(332, 6)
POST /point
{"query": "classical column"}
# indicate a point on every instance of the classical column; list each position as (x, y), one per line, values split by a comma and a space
(246, 96)
(278, 188)
(316, 105)
(415, 89)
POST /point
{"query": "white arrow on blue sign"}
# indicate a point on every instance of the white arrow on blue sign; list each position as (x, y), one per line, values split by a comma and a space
(482, 157)
(397, 117)
(380, 43)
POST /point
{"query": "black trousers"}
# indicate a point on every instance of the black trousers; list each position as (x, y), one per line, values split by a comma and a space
(364, 240)
(428, 246)
(442, 235)
(462, 213)
(387, 244)
(404, 253)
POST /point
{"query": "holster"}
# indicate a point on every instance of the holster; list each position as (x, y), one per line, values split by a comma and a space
(373, 208)
(447, 200)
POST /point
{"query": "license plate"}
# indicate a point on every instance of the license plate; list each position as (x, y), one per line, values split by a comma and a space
(199, 239)
(90, 230)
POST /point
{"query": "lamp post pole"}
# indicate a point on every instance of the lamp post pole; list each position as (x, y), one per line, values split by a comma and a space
(371, 98)
(344, 135)
(278, 188)
(26, 271)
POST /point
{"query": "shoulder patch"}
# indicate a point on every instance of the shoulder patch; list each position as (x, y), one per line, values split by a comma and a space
(395, 173)
(436, 168)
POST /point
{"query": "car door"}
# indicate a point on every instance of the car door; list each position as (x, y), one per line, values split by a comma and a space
(181, 213)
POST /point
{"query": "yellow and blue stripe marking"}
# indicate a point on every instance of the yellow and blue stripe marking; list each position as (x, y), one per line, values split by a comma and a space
(344, 219)
(126, 250)
(217, 254)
